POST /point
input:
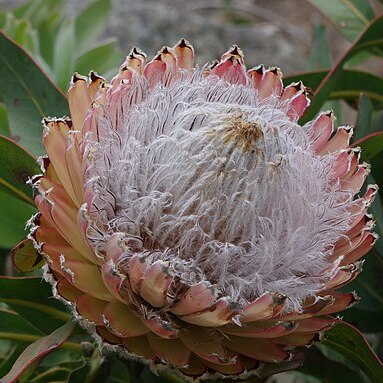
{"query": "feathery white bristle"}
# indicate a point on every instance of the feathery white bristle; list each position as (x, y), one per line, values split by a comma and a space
(219, 183)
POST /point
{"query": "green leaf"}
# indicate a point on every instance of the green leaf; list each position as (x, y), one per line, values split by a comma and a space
(45, 16)
(47, 31)
(363, 320)
(376, 209)
(54, 374)
(11, 322)
(349, 16)
(350, 84)
(79, 374)
(38, 350)
(36, 11)
(101, 58)
(4, 126)
(25, 257)
(28, 371)
(124, 370)
(377, 173)
(363, 121)
(63, 356)
(369, 284)
(25, 10)
(32, 299)
(371, 145)
(369, 39)
(90, 23)
(26, 36)
(13, 217)
(28, 95)
(349, 342)
(64, 53)
(377, 122)
(21, 31)
(320, 57)
(17, 168)
(11, 358)
(328, 371)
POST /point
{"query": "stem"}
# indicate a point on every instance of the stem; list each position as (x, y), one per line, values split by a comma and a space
(37, 306)
(48, 373)
(32, 338)
(99, 370)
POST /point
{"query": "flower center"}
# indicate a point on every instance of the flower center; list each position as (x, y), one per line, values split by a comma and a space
(242, 132)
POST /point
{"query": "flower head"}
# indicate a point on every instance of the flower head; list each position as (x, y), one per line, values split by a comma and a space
(189, 220)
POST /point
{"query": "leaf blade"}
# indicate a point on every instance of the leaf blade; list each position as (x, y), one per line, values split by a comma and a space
(100, 58)
(10, 321)
(64, 53)
(348, 341)
(13, 217)
(25, 257)
(28, 94)
(37, 350)
(32, 299)
(90, 22)
(18, 167)
(349, 16)
(370, 38)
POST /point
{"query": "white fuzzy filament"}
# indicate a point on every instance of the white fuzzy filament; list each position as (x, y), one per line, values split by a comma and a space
(221, 184)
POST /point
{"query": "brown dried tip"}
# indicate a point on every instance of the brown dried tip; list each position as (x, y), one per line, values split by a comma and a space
(137, 52)
(298, 86)
(165, 50)
(94, 76)
(354, 300)
(275, 70)
(158, 57)
(309, 92)
(260, 69)
(78, 77)
(235, 51)
(45, 163)
(65, 120)
(47, 120)
(279, 298)
(213, 64)
(183, 43)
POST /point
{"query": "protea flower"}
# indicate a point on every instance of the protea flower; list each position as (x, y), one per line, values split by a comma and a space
(189, 221)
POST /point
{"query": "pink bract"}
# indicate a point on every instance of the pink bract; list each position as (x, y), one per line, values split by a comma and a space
(189, 221)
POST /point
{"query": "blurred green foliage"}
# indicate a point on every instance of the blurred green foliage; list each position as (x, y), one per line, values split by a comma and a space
(63, 44)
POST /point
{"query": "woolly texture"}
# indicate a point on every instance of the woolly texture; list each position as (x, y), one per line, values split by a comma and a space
(221, 184)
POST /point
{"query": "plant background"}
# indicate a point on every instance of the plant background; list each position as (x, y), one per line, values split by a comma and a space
(64, 36)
